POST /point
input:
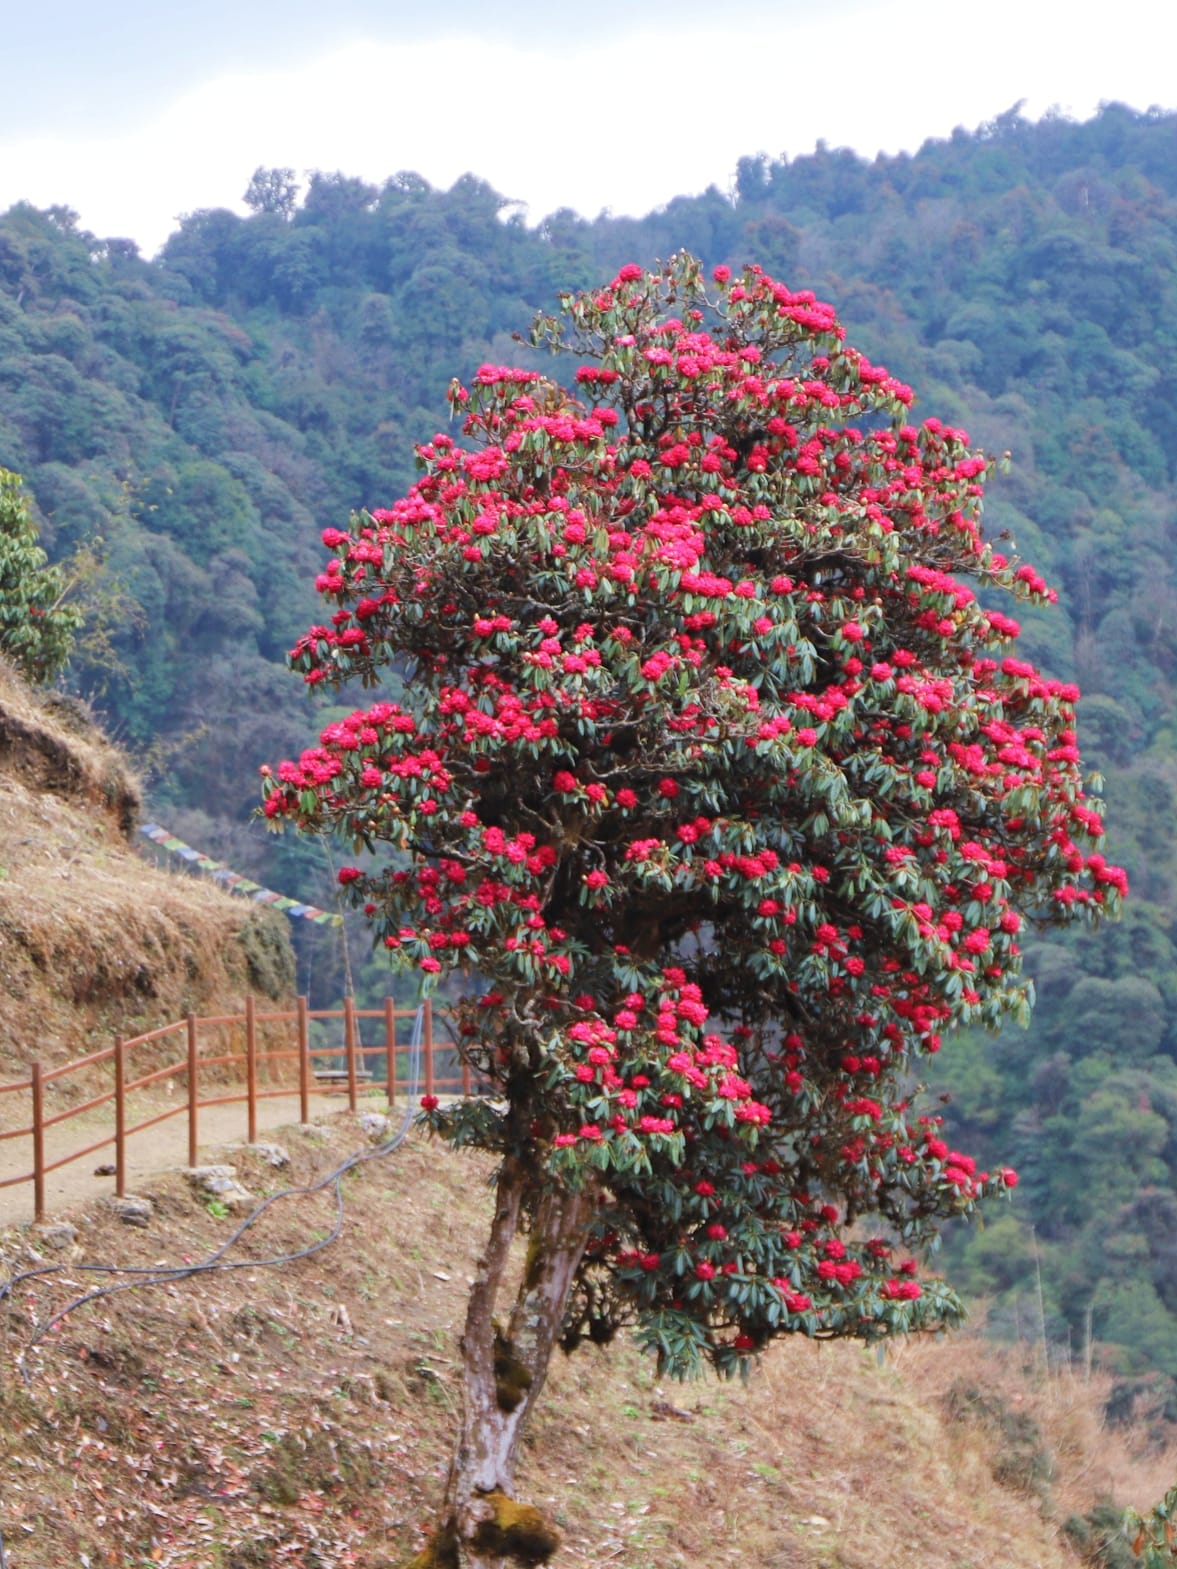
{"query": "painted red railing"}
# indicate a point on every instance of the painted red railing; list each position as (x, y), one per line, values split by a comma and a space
(343, 1068)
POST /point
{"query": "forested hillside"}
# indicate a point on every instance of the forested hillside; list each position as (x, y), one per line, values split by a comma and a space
(188, 424)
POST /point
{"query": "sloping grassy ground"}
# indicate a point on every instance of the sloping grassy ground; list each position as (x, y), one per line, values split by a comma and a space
(301, 1415)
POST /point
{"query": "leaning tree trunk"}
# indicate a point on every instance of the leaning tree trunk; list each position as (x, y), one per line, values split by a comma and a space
(482, 1525)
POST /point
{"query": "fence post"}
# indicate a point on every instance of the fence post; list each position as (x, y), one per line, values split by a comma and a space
(349, 1029)
(38, 1144)
(120, 1117)
(251, 1066)
(390, 1048)
(193, 1088)
(304, 1062)
(429, 1046)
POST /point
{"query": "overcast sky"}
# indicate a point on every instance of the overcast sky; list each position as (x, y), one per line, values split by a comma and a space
(135, 111)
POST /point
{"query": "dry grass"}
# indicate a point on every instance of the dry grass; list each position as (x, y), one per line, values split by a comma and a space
(1090, 1461)
(302, 1415)
(92, 939)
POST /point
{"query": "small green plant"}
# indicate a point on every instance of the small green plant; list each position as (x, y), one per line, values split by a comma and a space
(1154, 1536)
(1100, 1538)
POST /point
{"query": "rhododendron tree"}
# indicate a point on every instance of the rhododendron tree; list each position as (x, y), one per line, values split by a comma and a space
(716, 772)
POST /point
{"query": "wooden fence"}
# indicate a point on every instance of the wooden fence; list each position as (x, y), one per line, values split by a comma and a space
(262, 1066)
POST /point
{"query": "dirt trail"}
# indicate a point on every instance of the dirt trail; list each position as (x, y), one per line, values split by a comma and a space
(156, 1149)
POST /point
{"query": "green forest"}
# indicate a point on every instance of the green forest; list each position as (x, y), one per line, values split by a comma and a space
(187, 425)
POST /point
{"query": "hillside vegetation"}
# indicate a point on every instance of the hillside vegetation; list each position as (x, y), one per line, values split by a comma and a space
(300, 1415)
(189, 423)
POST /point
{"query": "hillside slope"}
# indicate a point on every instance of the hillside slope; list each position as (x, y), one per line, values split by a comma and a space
(301, 1415)
(92, 939)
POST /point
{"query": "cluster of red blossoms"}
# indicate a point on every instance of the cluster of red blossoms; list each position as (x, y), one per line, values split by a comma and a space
(703, 722)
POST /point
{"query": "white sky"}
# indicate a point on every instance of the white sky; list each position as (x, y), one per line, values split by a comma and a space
(136, 112)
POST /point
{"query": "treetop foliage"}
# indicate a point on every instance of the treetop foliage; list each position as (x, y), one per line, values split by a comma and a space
(716, 764)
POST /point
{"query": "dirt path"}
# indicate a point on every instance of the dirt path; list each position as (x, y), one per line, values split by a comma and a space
(156, 1149)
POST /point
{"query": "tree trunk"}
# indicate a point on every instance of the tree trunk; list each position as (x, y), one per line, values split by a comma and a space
(482, 1525)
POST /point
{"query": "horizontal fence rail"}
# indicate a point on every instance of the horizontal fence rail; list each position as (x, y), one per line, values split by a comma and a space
(239, 1050)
